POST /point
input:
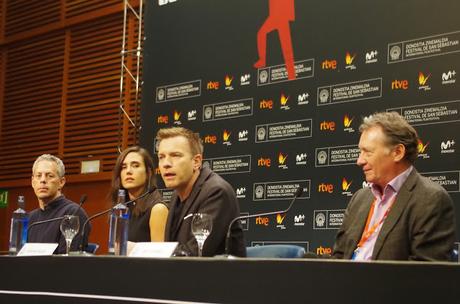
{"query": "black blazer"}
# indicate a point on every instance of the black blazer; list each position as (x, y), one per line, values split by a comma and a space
(211, 194)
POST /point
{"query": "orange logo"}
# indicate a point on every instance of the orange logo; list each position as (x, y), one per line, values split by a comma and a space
(228, 80)
(264, 162)
(282, 158)
(284, 100)
(177, 115)
(163, 119)
(157, 171)
(349, 59)
(280, 218)
(345, 184)
(421, 148)
(226, 135)
(329, 64)
(327, 125)
(213, 85)
(262, 221)
(400, 85)
(325, 188)
(323, 250)
(347, 121)
(266, 104)
(210, 139)
(422, 79)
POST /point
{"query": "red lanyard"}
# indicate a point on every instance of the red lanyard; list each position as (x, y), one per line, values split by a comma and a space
(368, 232)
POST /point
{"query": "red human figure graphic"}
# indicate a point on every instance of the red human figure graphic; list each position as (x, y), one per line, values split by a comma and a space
(280, 13)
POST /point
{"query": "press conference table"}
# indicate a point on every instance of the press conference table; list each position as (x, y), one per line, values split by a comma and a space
(108, 279)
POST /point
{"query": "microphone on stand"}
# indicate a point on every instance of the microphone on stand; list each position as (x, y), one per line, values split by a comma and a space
(298, 193)
(127, 204)
(60, 218)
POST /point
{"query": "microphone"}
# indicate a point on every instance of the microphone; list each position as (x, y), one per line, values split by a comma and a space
(298, 193)
(127, 204)
(60, 218)
(82, 201)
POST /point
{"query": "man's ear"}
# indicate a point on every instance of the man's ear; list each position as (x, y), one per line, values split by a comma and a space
(197, 161)
(399, 151)
(61, 183)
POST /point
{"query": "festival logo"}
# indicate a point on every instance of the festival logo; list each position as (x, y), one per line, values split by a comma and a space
(282, 163)
(422, 149)
(226, 138)
(347, 124)
(279, 221)
(283, 102)
(423, 81)
(228, 82)
(346, 187)
(349, 59)
(177, 116)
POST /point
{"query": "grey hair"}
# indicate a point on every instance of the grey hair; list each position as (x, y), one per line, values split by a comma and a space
(397, 131)
(51, 158)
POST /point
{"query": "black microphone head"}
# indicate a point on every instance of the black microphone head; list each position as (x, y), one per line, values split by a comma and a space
(83, 199)
(298, 192)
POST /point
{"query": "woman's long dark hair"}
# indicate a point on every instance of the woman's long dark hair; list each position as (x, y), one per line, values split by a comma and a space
(150, 173)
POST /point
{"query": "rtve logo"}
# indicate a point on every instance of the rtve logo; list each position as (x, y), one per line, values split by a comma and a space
(266, 104)
(323, 250)
(400, 84)
(264, 221)
(329, 64)
(213, 85)
(326, 188)
(163, 119)
(226, 135)
(210, 139)
(327, 126)
(264, 162)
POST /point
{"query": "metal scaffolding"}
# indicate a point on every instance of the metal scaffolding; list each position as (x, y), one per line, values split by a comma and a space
(130, 71)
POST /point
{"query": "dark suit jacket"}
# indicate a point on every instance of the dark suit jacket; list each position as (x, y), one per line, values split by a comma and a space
(420, 225)
(211, 194)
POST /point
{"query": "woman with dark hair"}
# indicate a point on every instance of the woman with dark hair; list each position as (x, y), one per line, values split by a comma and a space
(134, 172)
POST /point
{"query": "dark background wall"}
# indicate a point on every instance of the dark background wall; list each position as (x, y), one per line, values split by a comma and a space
(266, 135)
